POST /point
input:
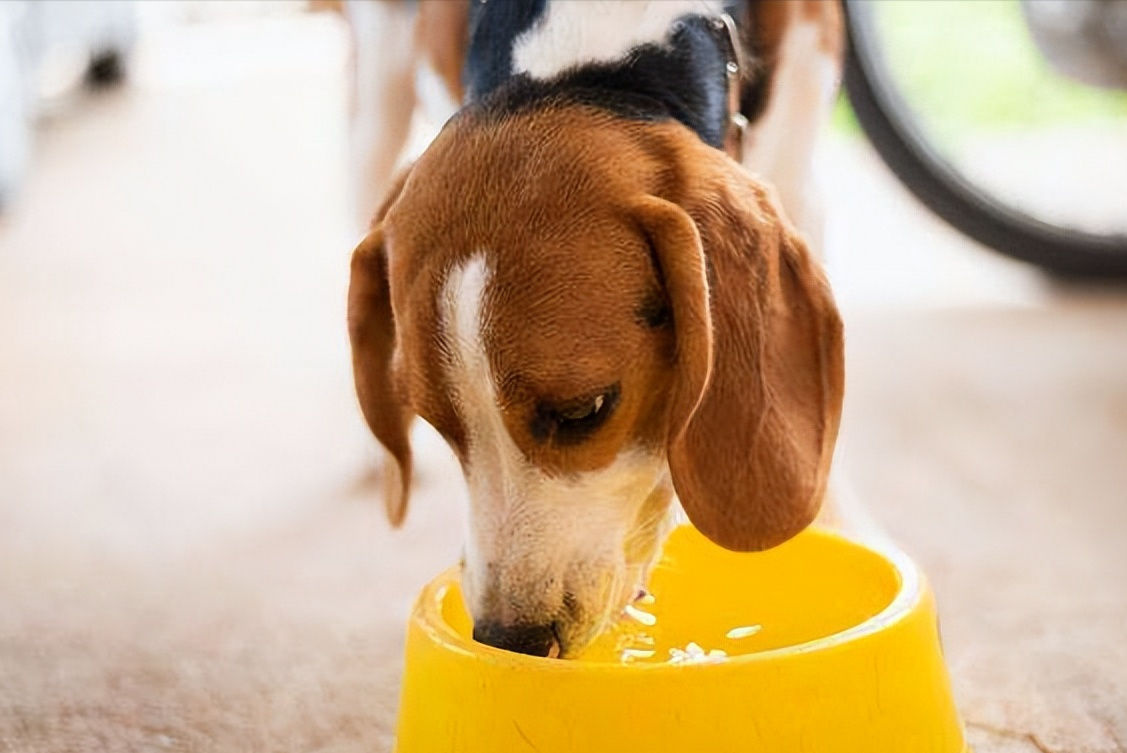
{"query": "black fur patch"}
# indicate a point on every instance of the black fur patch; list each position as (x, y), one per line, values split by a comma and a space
(654, 311)
(683, 79)
(493, 31)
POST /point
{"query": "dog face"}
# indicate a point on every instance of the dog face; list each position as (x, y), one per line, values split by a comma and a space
(593, 312)
(557, 380)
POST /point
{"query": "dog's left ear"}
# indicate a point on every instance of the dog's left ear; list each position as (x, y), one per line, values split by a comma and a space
(760, 367)
(372, 334)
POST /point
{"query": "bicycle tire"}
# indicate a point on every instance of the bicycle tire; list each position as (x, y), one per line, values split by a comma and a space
(883, 117)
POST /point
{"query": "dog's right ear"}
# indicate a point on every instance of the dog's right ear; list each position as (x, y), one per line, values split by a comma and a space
(759, 377)
(372, 333)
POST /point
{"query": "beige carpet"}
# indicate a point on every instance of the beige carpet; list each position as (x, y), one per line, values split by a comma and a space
(191, 556)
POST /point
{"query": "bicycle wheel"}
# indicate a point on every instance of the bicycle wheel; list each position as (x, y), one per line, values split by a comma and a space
(894, 124)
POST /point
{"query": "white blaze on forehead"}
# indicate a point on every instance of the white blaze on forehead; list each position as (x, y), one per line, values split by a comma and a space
(494, 462)
(574, 32)
(526, 525)
(468, 363)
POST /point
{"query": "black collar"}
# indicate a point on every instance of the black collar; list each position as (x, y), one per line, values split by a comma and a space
(693, 77)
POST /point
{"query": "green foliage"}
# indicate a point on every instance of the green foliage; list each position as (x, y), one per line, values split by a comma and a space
(842, 120)
(969, 65)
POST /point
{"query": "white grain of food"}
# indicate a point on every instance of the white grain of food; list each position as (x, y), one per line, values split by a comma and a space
(744, 632)
(645, 618)
(694, 654)
(677, 656)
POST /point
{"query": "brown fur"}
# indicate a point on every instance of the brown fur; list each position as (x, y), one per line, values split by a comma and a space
(442, 36)
(830, 17)
(763, 29)
(371, 329)
(750, 460)
(585, 218)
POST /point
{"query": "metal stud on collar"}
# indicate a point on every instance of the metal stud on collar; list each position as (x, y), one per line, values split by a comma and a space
(740, 60)
(734, 68)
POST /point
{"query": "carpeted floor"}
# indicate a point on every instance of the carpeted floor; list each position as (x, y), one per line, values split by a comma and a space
(191, 554)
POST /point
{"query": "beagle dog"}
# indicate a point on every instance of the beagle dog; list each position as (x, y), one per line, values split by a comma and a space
(584, 291)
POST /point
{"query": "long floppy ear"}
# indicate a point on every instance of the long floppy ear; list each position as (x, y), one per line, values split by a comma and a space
(371, 330)
(760, 365)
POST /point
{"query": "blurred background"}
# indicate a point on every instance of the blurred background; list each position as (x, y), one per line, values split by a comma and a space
(192, 551)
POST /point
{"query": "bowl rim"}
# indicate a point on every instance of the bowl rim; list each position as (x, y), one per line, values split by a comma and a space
(427, 615)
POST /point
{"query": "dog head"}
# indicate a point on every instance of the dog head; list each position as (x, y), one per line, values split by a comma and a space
(594, 312)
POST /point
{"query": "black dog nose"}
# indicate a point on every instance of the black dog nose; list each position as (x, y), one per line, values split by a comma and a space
(523, 638)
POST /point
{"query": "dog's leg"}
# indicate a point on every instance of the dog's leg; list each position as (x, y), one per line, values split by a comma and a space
(782, 141)
(383, 96)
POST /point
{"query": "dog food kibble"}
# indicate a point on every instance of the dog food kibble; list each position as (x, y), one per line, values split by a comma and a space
(694, 654)
(645, 618)
(637, 639)
(744, 632)
(630, 654)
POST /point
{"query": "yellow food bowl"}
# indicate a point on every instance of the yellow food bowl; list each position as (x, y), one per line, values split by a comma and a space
(821, 644)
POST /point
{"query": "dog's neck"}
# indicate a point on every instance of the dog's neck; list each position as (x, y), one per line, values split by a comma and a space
(647, 61)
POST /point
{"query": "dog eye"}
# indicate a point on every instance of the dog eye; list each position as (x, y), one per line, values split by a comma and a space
(574, 420)
(584, 410)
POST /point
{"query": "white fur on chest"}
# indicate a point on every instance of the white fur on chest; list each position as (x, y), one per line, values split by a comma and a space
(575, 32)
